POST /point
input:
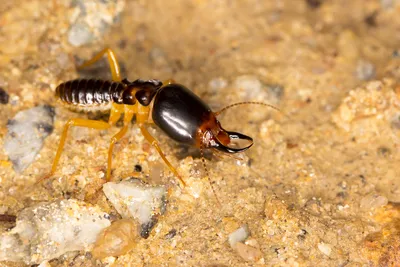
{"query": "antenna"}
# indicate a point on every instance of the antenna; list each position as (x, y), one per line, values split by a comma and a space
(249, 103)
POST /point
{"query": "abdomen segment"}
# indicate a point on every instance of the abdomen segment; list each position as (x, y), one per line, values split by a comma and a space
(90, 92)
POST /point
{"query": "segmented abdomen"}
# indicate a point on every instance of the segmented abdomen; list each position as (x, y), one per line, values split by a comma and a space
(90, 92)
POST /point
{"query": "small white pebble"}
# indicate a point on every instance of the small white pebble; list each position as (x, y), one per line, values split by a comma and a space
(217, 84)
(365, 70)
(134, 199)
(250, 87)
(195, 188)
(325, 248)
(45, 264)
(240, 235)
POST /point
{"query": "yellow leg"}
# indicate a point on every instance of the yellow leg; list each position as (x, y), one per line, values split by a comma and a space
(115, 113)
(154, 143)
(101, 125)
(112, 60)
(129, 112)
(114, 139)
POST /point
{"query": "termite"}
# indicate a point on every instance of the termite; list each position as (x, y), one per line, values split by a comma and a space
(175, 109)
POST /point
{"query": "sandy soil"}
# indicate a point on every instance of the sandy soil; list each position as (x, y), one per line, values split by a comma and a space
(319, 187)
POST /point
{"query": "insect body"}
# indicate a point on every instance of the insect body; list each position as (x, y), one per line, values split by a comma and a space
(176, 110)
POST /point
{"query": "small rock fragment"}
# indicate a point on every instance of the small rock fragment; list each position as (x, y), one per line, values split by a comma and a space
(365, 70)
(325, 248)
(276, 91)
(91, 20)
(250, 88)
(146, 227)
(133, 199)
(48, 230)
(248, 253)
(171, 234)
(26, 133)
(216, 84)
(45, 264)
(373, 201)
(3, 96)
(117, 239)
(240, 235)
(250, 250)
(80, 34)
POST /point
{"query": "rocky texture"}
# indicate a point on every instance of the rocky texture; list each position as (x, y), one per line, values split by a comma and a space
(118, 239)
(318, 188)
(48, 230)
(91, 19)
(26, 133)
(133, 199)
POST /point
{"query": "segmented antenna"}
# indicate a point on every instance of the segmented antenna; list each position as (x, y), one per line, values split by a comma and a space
(249, 103)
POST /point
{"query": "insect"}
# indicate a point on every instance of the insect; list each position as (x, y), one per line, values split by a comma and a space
(176, 110)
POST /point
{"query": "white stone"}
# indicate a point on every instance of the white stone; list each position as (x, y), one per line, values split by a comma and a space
(133, 199)
(48, 230)
(325, 248)
(240, 235)
(26, 132)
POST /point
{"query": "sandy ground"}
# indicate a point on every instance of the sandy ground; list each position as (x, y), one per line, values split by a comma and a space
(319, 187)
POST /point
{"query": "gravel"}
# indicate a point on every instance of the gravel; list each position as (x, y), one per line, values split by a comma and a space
(48, 230)
(26, 133)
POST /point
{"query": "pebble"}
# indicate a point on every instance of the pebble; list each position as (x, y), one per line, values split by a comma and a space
(365, 70)
(45, 264)
(276, 91)
(48, 230)
(216, 84)
(325, 248)
(250, 88)
(92, 18)
(26, 133)
(240, 235)
(4, 97)
(134, 199)
(80, 34)
(373, 201)
(117, 239)
(248, 253)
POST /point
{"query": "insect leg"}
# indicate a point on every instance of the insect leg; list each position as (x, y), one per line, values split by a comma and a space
(112, 60)
(129, 112)
(100, 125)
(154, 143)
(115, 113)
